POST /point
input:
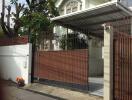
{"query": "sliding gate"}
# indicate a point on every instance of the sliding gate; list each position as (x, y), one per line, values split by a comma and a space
(68, 64)
(123, 67)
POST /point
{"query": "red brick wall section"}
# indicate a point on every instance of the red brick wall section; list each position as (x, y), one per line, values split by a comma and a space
(66, 66)
(13, 41)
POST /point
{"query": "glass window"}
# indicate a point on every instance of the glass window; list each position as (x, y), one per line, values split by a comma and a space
(71, 7)
(62, 12)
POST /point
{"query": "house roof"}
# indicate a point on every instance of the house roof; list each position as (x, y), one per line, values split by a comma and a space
(91, 19)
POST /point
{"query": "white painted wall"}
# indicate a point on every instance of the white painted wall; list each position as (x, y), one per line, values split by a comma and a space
(15, 61)
(96, 62)
(93, 3)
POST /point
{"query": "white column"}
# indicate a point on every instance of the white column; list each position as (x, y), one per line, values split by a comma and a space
(83, 4)
(108, 62)
(29, 62)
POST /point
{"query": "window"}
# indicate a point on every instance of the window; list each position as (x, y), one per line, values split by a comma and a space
(62, 12)
(71, 7)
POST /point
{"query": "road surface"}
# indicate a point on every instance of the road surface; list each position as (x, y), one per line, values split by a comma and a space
(14, 93)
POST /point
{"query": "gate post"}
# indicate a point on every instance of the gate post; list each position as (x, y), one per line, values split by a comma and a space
(108, 62)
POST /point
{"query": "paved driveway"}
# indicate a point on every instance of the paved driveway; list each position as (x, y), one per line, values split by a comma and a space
(67, 94)
(38, 91)
(14, 93)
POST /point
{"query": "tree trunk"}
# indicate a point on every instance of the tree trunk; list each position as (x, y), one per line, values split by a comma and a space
(8, 16)
(5, 28)
(3, 7)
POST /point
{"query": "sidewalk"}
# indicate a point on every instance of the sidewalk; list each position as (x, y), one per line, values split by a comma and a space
(66, 94)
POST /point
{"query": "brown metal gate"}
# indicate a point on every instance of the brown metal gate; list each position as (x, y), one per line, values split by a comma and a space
(123, 67)
(70, 66)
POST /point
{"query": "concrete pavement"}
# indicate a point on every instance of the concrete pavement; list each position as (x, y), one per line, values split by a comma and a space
(67, 94)
(38, 91)
(14, 93)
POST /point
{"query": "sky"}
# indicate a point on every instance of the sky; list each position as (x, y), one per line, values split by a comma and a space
(7, 2)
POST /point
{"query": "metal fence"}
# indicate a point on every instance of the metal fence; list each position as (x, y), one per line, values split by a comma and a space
(69, 66)
(123, 67)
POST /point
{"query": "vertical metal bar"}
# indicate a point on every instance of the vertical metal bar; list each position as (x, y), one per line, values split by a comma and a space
(120, 89)
(127, 68)
(123, 68)
(130, 68)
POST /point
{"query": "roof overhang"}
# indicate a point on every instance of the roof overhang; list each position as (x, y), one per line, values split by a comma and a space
(92, 19)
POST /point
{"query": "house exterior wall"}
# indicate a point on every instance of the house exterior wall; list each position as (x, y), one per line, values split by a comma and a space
(95, 59)
(93, 3)
(15, 61)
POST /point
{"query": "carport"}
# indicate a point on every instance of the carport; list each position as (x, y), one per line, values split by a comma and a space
(95, 22)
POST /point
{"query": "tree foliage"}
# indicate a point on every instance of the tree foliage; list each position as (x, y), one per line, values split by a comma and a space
(8, 31)
(73, 41)
(36, 17)
(32, 19)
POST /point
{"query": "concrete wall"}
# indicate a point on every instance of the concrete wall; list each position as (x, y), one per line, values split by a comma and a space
(15, 61)
(95, 62)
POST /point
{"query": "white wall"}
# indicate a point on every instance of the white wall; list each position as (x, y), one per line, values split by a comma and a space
(96, 64)
(15, 61)
(93, 3)
(95, 61)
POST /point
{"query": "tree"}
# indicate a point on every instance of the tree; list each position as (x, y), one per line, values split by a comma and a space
(73, 41)
(11, 32)
(3, 25)
(1, 32)
(33, 19)
(36, 18)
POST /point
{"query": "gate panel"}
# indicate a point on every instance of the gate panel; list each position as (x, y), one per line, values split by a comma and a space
(123, 68)
(70, 66)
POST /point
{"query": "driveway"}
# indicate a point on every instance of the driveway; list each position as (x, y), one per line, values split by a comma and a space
(14, 93)
(38, 91)
(61, 92)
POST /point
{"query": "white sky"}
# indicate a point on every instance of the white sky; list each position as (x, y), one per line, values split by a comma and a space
(7, 2)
